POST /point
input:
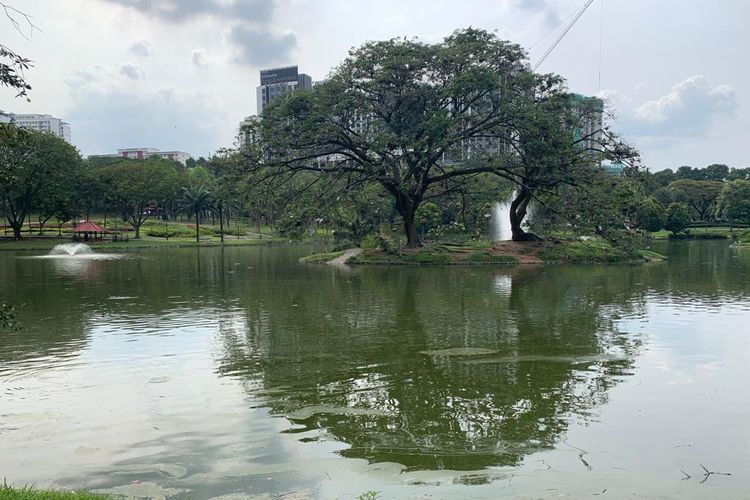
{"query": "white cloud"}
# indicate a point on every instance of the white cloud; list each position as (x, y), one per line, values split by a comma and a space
(132, 71)
(200, 58)
(251, 28)
(261, 46)
(111, 110)
(689, 108)
(545, 7)
(142, 48)
(615, 100)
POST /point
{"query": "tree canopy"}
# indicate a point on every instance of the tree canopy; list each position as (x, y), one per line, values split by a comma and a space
(31, 162)
(422, 120)
(136, 187)
(734, 202)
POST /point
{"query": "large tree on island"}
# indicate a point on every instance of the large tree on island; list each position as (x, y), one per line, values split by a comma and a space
(421, 120)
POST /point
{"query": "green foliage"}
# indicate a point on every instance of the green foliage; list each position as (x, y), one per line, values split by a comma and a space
(604, 207)
(734, 202)
(171, 231)
(33, 166)
(429, 216)
(436, 255)
(700, 195)
(369, 495)
(12, 67)
(373, 242)
(31, 493)
(136, 187)
(423, 102)
(649, 215)
(589, 251)
(677, 217)
(742, 237)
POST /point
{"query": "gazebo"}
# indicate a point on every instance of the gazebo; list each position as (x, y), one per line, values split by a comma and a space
(89, 231)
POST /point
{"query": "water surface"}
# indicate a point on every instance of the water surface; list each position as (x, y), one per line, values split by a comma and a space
(238, 372)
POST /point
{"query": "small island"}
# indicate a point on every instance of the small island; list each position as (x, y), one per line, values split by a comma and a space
(506, 253)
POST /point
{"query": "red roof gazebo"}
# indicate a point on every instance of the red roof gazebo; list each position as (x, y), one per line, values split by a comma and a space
(89, 231)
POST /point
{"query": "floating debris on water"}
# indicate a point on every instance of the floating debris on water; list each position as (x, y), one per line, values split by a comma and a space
(460, 351)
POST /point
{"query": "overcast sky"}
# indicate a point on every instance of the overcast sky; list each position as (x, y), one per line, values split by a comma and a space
(181, 74)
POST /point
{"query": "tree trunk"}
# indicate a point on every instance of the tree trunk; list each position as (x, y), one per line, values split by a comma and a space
(221, 223)
(518, 210)
(407, 206)
(197, 226)
(137, 231)
(17, 230)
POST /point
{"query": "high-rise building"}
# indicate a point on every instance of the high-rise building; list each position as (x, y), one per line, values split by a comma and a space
(276, 82)
(40, 123)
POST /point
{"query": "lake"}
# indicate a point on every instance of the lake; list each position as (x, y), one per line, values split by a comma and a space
(238, 372)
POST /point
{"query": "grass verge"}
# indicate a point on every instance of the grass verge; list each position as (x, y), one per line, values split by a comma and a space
(31, 493)
(28, 244)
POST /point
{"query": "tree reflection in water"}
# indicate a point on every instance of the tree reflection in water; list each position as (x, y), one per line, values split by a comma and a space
(345, 358)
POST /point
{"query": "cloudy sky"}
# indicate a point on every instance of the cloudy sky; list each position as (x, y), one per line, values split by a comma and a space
(181, 74)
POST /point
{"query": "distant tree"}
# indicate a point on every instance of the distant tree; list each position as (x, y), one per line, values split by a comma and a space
(664, 196)
(197, 199)
(688, 172)
(664, 177)
(734, 202)
(65, 211)
(136, 187)
(739, 174)
(95, 161)
(677, 217)
(649, 215)
(699, 195)
(31, 162)
(716, 172)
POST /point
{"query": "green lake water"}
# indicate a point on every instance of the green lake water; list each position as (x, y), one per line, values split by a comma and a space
(238, 372)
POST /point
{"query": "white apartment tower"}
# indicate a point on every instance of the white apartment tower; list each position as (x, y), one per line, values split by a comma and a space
(40, 123)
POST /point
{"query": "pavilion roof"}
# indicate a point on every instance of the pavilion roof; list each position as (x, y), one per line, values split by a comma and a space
(88, 227)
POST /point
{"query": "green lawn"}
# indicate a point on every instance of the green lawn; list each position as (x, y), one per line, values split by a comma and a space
(708, 232)
(38, 243)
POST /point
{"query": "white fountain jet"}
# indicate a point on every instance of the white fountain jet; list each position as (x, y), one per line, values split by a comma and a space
(71, 249)
(500, 220)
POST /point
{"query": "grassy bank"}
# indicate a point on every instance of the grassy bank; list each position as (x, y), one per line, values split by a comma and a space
(503, 253)
(30, 493)
(45, 243)
(698, 233)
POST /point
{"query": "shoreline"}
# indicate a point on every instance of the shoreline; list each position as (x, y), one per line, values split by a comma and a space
(494, 254)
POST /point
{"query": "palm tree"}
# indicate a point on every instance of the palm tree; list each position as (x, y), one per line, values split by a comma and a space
(197, 199)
